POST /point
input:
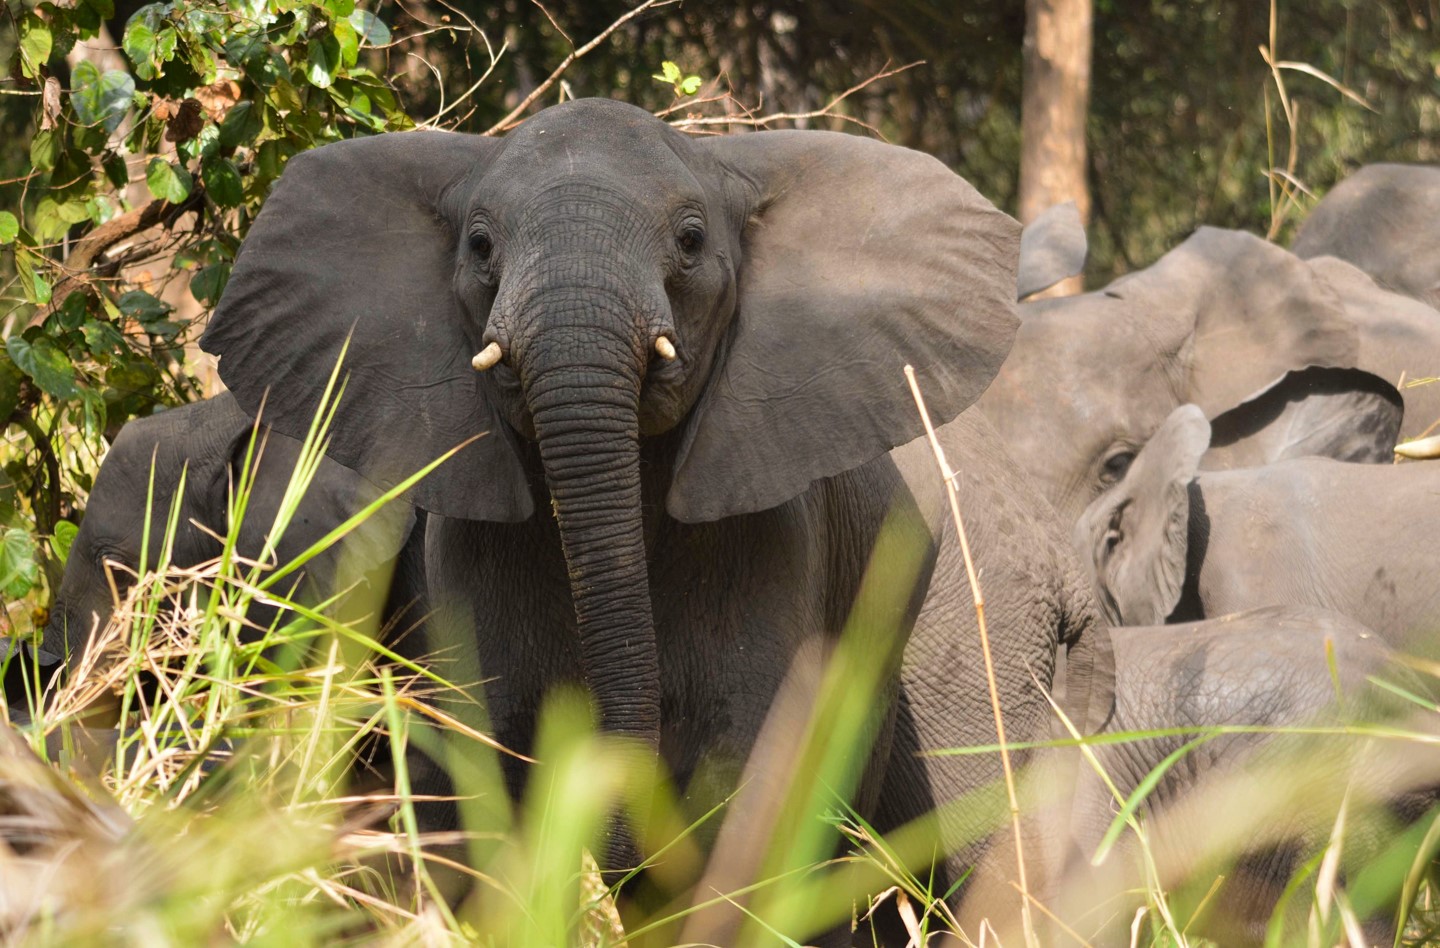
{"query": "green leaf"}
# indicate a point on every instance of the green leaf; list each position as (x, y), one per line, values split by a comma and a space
(244, 47)
(104, 8)
(168, 182)
(63, 539)
(36, 42)
(209, 282)
(143, 307)
(9, 228)
(339, 8)
(32, 281)
(349, 42)
(71, 312)
(116, 171)
(19, 571)
(222, 181)
(101, 99)
(322, 61)
(139, 45)
(690, 85)
(242, 125)
(101, 338)
(45, 149)
(370, 28)
(44, 362)
(285, 96)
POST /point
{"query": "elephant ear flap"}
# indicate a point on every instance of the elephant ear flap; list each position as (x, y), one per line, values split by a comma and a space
(356, 247)
(1345, 414)
(1259, 311)
(1052, 248)
(1135, 537)
(856, 258)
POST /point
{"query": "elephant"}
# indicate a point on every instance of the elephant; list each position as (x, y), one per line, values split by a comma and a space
(1381, 219)
(1217, 322)
(1169, 542)
(207, 442)
(1272, 667)
(688, 352)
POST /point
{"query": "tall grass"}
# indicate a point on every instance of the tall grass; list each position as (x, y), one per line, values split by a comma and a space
(274, 786)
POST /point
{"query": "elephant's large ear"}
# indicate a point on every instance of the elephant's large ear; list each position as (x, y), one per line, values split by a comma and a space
(1255, 311)
(1052, 248)
(1135, 536)
(1345, 414)
(356, 239)
(857, 258)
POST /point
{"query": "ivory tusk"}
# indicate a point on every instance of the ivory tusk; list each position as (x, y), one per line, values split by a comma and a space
(665, 348)
(1420, 449)
(486, 357)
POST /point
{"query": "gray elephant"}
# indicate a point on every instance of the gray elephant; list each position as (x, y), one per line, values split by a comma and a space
(1219, 322)
(1170, 542)
(1274, 667)
(1382, 220)
(207, 442)
(687, 353)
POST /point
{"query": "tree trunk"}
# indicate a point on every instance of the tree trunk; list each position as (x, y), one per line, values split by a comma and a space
(1055, 100)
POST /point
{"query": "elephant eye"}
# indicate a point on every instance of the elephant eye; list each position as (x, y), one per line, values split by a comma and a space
(691, 239)
(482, 245)
(1116, 466)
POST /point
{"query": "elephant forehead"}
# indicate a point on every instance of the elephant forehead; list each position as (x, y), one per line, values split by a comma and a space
(633, 158)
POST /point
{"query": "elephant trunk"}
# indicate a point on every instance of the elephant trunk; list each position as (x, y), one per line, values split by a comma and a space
(587, 425)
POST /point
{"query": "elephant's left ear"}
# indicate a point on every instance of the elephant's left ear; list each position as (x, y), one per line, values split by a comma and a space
(856, 258)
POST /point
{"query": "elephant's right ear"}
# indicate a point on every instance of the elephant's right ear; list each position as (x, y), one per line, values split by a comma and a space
(1135, 537)
(355, 243)
(1052, 248)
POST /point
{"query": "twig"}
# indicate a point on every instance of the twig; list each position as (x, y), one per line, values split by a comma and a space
(553, 23)
(89, 248)
(826, 112)
(948, 476)
(494, 61)
(554, 77)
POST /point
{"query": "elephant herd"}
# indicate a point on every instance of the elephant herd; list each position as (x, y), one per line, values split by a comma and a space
(685, 358)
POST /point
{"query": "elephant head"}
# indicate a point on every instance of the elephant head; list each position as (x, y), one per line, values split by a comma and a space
(596, 281)
(206, 443)
(1216, 322)
(1382, 219)
(1134, 540)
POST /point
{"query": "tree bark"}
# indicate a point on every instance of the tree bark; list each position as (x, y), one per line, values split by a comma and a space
(1054, 103)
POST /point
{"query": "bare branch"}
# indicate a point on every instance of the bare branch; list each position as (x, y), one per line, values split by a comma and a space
(553, 23)
(88, 249)
(519, 110)
(828, 111)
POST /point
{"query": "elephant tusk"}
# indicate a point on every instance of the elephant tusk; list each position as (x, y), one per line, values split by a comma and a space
(665, 348)
(486, 357)
(1420, 449)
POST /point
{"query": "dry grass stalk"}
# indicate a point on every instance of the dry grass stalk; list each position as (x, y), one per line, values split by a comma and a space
(948, 476)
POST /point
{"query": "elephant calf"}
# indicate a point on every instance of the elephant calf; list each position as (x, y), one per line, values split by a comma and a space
(208, 441)
(1170, 542)
(1253, 805)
